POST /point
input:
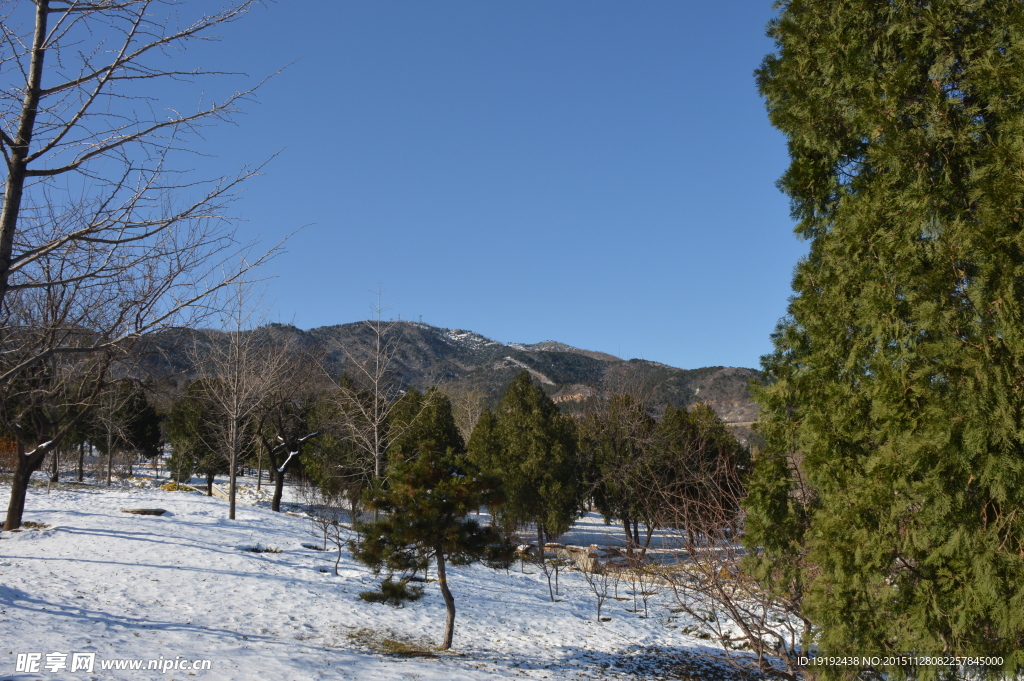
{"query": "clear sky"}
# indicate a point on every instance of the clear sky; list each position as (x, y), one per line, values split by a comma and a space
(597, 173)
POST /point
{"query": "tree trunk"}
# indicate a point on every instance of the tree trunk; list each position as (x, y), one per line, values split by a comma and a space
(209, 483)
(81, 461)
(27, 465)
(233, 468)
(629, 537)
(647, 541)
(231, 490)
(275, 504)
(275, 476)
(55, 467)
(449, 601)
(17, 171)
(544, 563)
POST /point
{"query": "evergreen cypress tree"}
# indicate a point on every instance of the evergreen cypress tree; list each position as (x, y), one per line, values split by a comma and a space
(533, 452)
(484, 447)
(897, 376)
(619, 443)
(418, 418)
(696, 469)
(191, 431)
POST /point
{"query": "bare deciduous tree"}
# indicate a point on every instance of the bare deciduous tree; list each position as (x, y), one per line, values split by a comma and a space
(101, 239)
(106, 415)
(599, 578)
(237, 370)
(368, 402)
(367, 399)
(284, 417)
(53, 397)
(327, 516)
(468, 403)
(761, 628)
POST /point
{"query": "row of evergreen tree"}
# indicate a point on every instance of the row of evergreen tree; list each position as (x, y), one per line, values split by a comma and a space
(533, 466)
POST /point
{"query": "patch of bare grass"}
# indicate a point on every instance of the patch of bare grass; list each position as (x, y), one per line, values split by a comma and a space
(33, 525)
(388, 643)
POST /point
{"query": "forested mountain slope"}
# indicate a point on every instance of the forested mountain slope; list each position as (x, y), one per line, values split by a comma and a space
(468, 363)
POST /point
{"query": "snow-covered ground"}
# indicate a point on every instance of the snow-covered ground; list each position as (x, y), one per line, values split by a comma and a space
(122, 586)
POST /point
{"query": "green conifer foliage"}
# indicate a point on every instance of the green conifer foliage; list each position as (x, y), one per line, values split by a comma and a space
(619, 442)
(697, 469)
(484, 446)
(419, 418)
(897, 376)
(424, 504)
(537, 463)
(191, 432)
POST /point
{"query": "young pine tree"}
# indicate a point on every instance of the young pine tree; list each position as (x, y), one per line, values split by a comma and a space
(897, 376)
(424, 503)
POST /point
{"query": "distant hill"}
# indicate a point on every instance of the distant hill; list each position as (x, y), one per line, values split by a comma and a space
(468, 363)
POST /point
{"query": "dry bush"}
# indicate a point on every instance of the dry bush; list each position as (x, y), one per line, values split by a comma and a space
(760, 631)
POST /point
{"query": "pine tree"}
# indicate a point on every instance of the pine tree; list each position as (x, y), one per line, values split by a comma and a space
(429, 490)
(896, 377)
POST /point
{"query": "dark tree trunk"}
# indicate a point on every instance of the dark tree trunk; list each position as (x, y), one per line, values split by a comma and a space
(55, 467)
(279, 472)
(629, 537)
(110, 456)
(544, 563)
(81, 461)
(232, 472)
(17, 167)
(27, 465)
(275, 477)
(647, 541)
(209, 483)
(449, 601)
(275, 504)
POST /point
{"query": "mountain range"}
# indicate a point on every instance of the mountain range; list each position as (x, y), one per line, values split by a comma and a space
(478, 369)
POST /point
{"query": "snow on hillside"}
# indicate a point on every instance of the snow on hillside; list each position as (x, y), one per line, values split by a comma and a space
(122, 586)
(468, 338)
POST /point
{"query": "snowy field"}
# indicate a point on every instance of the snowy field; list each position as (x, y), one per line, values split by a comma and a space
(129, 587)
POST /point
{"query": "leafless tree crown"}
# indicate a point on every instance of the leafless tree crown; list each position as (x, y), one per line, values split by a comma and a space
(102, 228)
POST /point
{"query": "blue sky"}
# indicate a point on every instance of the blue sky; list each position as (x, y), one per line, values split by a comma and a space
(597, 173)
